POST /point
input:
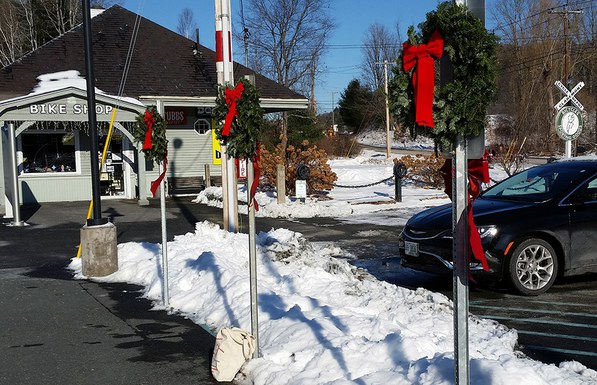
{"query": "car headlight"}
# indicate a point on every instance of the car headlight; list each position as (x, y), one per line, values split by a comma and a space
(487, 231)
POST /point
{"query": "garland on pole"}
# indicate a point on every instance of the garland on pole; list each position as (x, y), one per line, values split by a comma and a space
(240, 120)
(459, 107)
(150, 129)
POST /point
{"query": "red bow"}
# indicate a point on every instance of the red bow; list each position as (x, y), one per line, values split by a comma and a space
(478, 172)
(423, 78)
(232, 96)
(256, 175)
(149, 120)
(156, 183)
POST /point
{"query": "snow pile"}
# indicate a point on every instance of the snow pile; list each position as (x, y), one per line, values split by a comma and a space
(323, 321)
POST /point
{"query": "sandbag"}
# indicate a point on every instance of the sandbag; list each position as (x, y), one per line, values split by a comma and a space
(233, 348)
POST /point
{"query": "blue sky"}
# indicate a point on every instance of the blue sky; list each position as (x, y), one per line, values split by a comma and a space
(341, 62)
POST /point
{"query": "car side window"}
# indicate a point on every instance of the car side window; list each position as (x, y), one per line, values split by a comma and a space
(586, 193)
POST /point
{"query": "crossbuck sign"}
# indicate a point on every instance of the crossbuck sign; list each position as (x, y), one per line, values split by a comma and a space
(569, 96)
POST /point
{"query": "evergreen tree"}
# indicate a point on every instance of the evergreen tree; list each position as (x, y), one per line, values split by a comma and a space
(354, 105)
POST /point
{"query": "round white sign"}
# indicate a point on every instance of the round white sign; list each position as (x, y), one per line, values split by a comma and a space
(569, 123)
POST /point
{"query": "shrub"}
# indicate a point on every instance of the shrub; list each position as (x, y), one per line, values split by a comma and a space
(424, 170)
(339, 145)
(321, 176)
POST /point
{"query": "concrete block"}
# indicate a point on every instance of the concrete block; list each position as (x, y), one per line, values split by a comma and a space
(99, 255)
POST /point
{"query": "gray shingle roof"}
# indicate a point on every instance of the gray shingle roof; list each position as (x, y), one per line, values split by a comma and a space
(164, 63)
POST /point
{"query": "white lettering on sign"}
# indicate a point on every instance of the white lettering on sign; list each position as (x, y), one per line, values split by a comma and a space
(174, 117)
(63, 109)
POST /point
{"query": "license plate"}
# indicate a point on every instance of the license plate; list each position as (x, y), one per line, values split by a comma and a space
(411, 248)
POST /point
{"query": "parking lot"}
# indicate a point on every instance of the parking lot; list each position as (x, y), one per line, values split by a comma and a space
(553, 327)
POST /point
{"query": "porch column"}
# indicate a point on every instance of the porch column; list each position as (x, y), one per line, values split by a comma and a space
(142, 179)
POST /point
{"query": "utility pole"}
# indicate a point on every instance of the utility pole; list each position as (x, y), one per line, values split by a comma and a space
(246, 36)
(385, 64)
(333, 111)
(567, 76)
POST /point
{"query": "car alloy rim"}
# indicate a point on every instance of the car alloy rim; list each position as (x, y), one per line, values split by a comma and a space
(534, 267)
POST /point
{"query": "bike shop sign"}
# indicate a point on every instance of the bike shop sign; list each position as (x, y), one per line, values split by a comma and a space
(66, 108)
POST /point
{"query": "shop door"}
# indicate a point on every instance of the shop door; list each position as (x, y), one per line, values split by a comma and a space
(112, 174)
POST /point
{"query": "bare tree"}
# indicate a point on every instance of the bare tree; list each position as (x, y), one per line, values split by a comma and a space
(28, 25)
(379, 45)
(533, 55)
(105, 3)
(287, 39)
(186, 24)
(10, 33)
(62, 15)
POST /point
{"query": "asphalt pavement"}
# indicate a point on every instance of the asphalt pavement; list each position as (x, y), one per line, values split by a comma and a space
(57, 330)
(54, 329)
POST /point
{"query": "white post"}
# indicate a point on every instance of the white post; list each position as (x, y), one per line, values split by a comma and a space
(165, 294)
(568, 149)
(16, 206)
(252, 260)
(165, 285)
(460, 262)
(226, 77)
(387, 111)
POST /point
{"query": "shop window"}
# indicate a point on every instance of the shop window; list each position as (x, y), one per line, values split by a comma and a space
(48, 152)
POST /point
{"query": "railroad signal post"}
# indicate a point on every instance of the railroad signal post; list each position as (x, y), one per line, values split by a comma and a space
(569, 119)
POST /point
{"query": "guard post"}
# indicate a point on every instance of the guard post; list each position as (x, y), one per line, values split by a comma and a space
(399, 173)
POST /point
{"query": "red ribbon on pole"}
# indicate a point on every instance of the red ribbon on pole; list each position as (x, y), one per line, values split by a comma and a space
(422, 56)
(256, 175)
(478, 172)
(149, 120)
(232, 96)
(156, 183)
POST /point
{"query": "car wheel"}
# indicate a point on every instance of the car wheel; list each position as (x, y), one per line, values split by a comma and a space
(533, 267)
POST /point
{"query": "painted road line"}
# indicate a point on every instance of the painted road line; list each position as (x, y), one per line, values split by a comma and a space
(556, 312)
(591, 305)
(538, 321)
(562, 336)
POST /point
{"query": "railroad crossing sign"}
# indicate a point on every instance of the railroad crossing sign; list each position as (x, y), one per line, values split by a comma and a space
(569, 95)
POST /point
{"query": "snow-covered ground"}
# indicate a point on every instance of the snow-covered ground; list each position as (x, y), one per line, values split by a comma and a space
(322, 320)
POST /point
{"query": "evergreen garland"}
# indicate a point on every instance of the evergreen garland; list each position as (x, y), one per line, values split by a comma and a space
(459, 107)
(157, 153)
(246, 127)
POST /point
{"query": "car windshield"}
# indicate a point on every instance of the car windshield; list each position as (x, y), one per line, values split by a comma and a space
(535, 184)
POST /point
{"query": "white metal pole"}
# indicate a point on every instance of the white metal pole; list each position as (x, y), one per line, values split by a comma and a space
(385, 66)
(568, 149)
(253, 260)
(460, 263)
(165, 285)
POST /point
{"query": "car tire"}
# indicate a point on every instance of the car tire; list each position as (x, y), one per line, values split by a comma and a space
(532, 267)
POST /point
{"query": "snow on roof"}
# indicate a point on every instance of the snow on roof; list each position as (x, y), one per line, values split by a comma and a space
(71, 78)
(59, 80)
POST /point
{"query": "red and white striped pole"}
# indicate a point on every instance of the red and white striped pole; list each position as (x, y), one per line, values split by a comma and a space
(225, 77)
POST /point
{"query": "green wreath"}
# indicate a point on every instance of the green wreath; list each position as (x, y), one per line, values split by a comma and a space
(246, 127)
(460, 106)
(157, 146)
